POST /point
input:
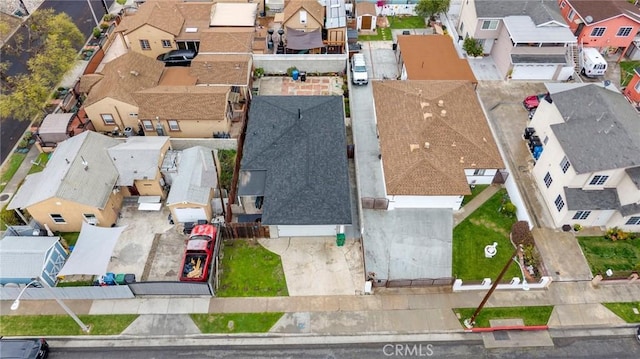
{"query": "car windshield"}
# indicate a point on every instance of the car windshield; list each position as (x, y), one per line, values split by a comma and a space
(359, 69)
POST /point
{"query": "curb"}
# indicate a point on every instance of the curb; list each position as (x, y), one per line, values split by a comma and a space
(508, 327)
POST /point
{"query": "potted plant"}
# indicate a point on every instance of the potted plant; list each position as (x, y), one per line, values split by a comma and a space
(97, 32)
(258, 72)
(577, 227)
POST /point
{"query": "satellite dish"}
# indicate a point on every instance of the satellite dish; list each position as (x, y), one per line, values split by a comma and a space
(607, 83)
(588, 19)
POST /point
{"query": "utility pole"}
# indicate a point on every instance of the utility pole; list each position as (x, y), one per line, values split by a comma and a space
(469, 323)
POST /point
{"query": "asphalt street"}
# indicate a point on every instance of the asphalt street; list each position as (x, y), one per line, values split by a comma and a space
(11, 129)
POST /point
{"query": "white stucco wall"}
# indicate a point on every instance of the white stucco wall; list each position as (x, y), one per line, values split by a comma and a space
(468, 19)
(487, 178)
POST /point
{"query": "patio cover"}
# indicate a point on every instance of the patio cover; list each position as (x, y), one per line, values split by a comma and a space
(92, 252)
(300, 40)
(54, 127)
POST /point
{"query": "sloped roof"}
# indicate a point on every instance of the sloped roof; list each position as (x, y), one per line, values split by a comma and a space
(433, 57)
(196, 177)
(312, 7)
(163, 15)
(137, 158)
(221, 69)
(634, 175)
(177, 76)
(365, 8)
(604, 9)
(182, 102)
(88, 81)
(225, 42)
(522, 30)
(408, 113)
(24, 257)
(124, 75)
(540, 11)
(601, 130)
(300, 142)
(598, 200)
(65, 176)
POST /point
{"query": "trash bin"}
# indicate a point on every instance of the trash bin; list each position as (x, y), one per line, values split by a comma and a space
(294, 75)
(120, 278)
(340, 238)
(303, 76)
(129, 278)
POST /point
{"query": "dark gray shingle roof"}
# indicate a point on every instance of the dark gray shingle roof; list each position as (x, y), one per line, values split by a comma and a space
(540, 11)
(307, 180)
(630, 209)
(634, 174)
(601, 129)
(581, 200)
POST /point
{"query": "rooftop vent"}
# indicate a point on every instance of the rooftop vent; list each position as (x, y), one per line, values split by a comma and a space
(414, 146)
(443, 113)
(440, 103)
(427, 115)
(424, 104)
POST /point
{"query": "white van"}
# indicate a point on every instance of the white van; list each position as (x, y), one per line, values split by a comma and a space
(359, 70)
(592, 63)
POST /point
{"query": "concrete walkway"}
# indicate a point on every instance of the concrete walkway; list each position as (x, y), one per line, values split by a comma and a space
(474, 204)
(18, 177)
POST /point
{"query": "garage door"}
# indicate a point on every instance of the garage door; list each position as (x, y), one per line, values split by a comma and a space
(189, 214)
(533, 72)
(306, 231)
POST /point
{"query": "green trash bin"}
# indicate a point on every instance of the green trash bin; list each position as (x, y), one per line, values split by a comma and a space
(340, 237)
(120, 278)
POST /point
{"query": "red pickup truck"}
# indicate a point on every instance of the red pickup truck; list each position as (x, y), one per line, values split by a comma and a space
(199, 253)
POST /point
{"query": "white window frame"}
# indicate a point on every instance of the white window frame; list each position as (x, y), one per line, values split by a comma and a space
(548, 180)
(563, 4)
(57, 218)
(598, 180)
(90, 218)
(147, 125)
(559, 203)
(565, 164)
(581, 215)
(571, 15)
(173, 125)
(633, 221)
(479, 172)
(489, 23)
(145, 44)
(596, 30)
(108, 119)
(626, 29)
(637, 86)
(166, 43)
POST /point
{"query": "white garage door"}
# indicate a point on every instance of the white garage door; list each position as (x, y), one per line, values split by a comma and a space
(306, 231)
(189, 214)
(533, 72)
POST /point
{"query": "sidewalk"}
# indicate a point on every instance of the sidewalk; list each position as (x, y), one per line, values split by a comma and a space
(19, 176)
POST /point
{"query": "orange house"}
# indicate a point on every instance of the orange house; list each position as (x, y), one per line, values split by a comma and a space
(609, 25)
(632, 91)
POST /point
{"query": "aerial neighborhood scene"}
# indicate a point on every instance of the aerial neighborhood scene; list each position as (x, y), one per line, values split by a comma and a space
(320, 178)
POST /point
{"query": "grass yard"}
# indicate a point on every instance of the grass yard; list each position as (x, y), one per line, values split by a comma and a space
(626, 71)
(250, 270)
(602, 254)
(529, 315)
(242, 322)
(15, 160)
(474, 192)
(625, 311)
(483, 227)
(70, 237)
(406, 22)
(53, 325)
(383, 34)
(42, 159)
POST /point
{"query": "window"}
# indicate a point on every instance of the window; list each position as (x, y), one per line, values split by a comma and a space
(571, 15)
(144, 44)
(57, 218)
(559, 203)
(148, 125)
(90, 218)
(598, 180)
(565, 164)
(546, 140)
(563, 4)
(637, 86)
(598, 31)
(173, 125)
(166, 43)
(478, 172)
(461, 27)
(548, 179)
(107, 118)
(133, 114)
(624, 31)
(581, 214)
(634, 221)
(489, 24)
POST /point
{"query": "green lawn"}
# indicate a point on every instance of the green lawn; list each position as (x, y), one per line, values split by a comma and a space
(15, 160)
(53, 325)
(626, 71)
(242, 322)
(474, 192)
(42, 159)
(529, 315)
(250, 270)
(70, 237)
(406, 22)
(383, 34)
(483, 227)
(625, 311)
(603, 254)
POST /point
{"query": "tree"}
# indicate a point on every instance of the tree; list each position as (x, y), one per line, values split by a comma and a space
(429, 8)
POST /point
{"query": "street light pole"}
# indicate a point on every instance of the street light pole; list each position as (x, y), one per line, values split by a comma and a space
(16, 303)
(93, 13)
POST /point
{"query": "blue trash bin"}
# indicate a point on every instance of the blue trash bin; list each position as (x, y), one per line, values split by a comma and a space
(294, 75)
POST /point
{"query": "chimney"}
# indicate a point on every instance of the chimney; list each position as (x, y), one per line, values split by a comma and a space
(427, 145)
(427, 115)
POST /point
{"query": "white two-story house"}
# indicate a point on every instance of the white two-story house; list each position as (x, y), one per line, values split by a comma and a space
(589, 169)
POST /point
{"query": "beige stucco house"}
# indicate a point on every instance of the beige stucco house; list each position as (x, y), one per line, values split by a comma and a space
(306, 15)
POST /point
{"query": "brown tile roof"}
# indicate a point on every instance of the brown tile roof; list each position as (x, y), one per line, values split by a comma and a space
(177, 76)
(124, 75)
(226, 42)
(604, 9)
(163, 15)
(88, 81)
(221, 69)
(365, 8)
(312, 7)
(409, 116)
(182, 102)
(433, 57)
(196, 15)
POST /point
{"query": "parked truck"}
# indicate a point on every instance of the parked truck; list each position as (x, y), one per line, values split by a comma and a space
(198, 254)
(359, 74)
(592, 64)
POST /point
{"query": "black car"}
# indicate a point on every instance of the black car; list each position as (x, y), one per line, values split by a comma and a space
(23, 348)
(178, 57)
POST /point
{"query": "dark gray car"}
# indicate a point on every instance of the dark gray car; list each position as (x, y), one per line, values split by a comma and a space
(177, 57)
(23, 348)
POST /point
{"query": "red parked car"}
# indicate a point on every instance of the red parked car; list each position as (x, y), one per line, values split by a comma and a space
(199, 254)
(532, 102)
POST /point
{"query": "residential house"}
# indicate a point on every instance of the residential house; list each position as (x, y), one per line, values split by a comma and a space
(589, 170)
(431, 58)
(192, 175)
(294, 168)
(302, 21)
(611, 26)
(528, 40)
(24, 258)
(110, 104)
(366, 15)
(434, 142)
(138, 161)
(79, 184)
(632, 90)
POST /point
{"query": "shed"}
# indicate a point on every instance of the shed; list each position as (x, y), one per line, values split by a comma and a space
(366, 15)
(53, 128)
(24, 258)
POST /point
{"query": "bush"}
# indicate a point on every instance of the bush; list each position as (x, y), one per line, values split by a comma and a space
(472, 47)
(616, 233)
(104, 26)
(258, 72)
(509, 209)
(97, 32)
(577, 227)
(520, 234)
(347, 110)
(290, 70)
(8, 218)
